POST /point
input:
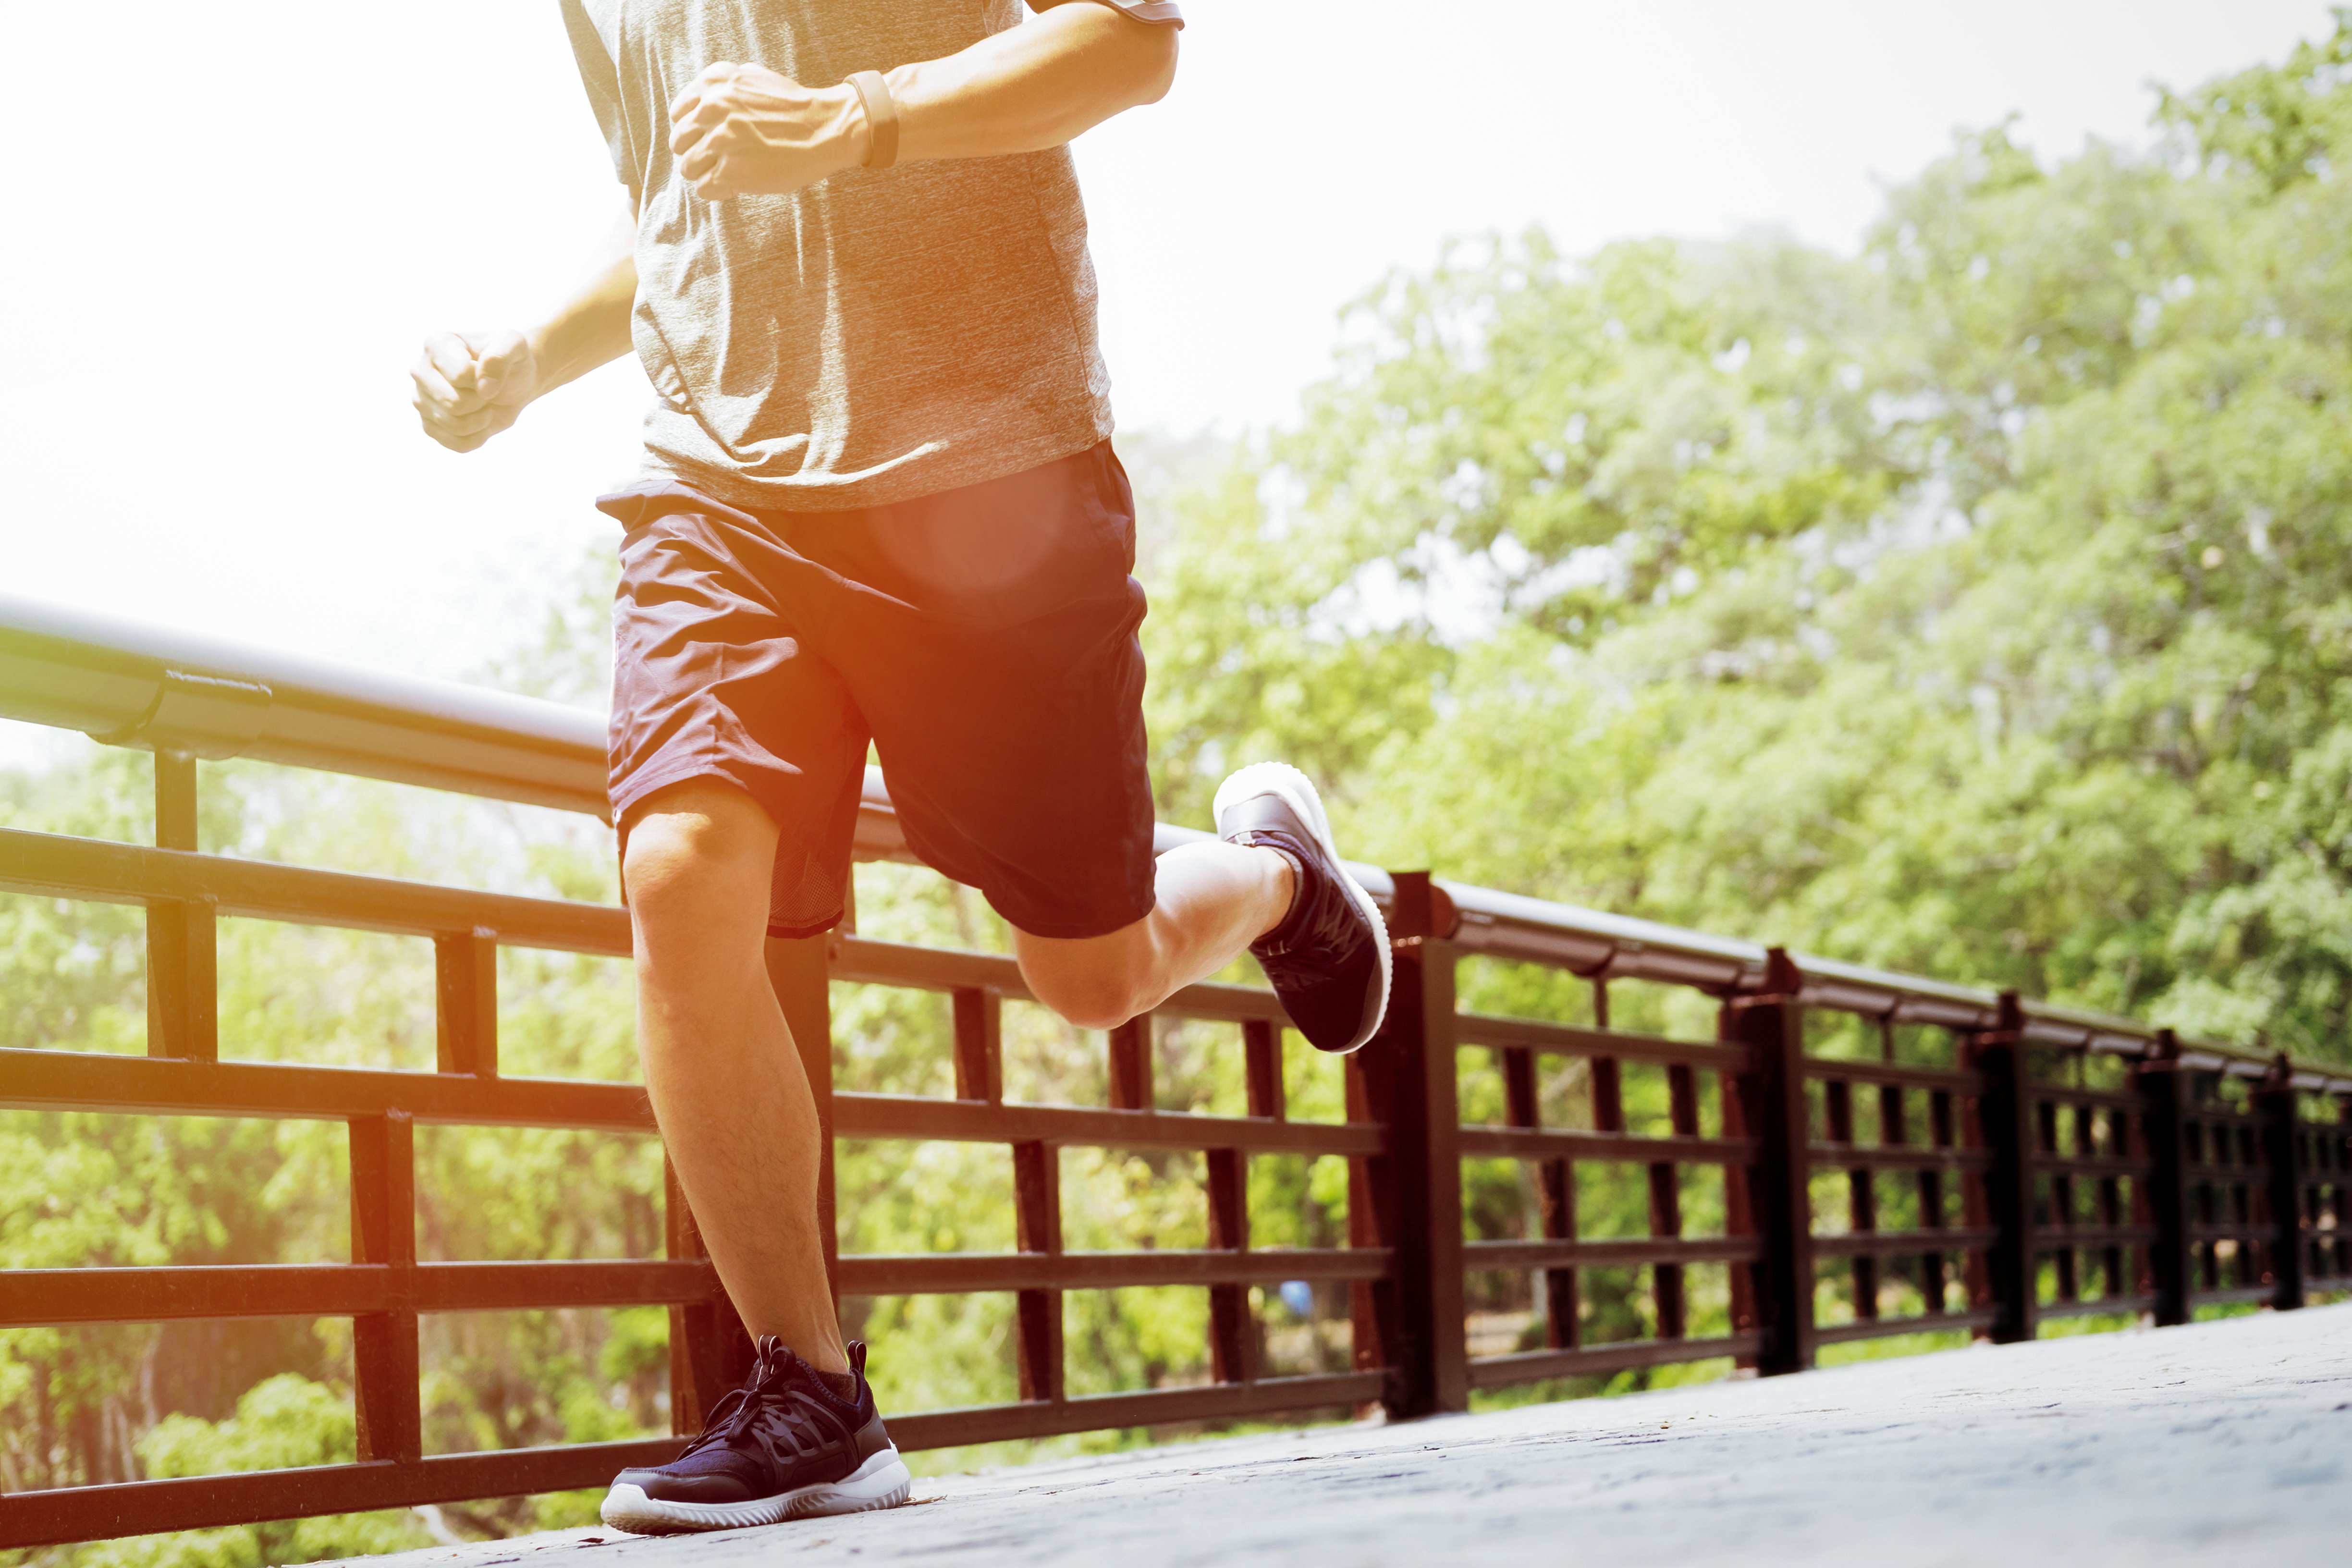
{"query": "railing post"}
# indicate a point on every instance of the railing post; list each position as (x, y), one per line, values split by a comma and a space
(2006, 1115)
(1408, 1075)
(2277, 1105)
(2163, 1088)
(1772, 1025)
(383, 1231)
(182, 941)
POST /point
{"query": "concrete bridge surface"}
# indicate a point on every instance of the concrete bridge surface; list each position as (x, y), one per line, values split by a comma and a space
(2227, 1442)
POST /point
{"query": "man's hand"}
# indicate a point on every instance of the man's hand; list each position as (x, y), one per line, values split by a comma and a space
(471, 386)
(745, 130)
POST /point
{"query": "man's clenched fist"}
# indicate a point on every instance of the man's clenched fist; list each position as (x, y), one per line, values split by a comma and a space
(745, 130)
(471, 386)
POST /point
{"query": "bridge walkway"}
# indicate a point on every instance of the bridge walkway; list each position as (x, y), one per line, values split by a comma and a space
(2151, 1448)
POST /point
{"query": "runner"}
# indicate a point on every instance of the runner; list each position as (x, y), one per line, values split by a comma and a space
(878, 502)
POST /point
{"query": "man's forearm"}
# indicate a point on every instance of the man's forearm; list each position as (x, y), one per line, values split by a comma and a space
(590, 325)
(1039, 84)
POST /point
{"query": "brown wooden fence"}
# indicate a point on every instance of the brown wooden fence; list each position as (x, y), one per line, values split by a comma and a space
(2199, 1175)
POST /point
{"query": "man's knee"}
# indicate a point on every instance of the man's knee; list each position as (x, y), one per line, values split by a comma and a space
(1095, 985)
(699, 853)
(1089, 1001)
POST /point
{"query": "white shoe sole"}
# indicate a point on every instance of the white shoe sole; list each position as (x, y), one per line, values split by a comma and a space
(882, 1481)
(1297, 791)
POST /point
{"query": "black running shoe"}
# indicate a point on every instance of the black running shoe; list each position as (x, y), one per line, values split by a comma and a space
(783, 1446)
(1328, 959)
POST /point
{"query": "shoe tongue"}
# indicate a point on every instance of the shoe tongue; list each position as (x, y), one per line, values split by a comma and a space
(1305, 904)
(779, 1366)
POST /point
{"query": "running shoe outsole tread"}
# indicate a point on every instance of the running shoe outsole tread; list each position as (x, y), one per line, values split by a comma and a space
(888, 1484)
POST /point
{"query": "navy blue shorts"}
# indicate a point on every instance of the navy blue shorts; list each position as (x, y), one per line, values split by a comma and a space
(984, 639)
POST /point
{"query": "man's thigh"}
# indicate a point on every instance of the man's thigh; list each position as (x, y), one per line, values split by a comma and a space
(714, 680)
(993, 652)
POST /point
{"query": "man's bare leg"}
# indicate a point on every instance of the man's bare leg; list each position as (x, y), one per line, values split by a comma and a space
(727, 1086)
(1212, 900)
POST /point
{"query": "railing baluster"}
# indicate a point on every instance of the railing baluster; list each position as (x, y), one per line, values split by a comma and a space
(1516, 1064)
(1666, 1204)
(1892, 1133)
(466, 987)
(1862, 1199)
(1232, 1329)
(1933, 1215)
(175, 801)
(1742, 1202)
(1372, 1305)
(1037, 1216)
(2111, 1212)
(183, 937)
(384, 1230)
(2281, 1113)
(2048, 1118)
(1556, 1190)
(2251, 1202)
(797, 973)
(1837, 1120)
(709, 1349)
(1262, 1069)
(2340, 1140)
(1131, 1065)
(2337, 1140)
(979, 1044)
(2163, 1088)
(1555, 1194)
(1608, 1095)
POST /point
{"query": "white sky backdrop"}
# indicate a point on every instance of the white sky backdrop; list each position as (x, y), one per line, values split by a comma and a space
(229, 224)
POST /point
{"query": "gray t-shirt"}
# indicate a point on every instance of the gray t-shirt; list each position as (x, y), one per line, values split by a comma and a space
(880, 335)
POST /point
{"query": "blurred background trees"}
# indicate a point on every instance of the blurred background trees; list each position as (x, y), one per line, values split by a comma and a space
(1976, 605)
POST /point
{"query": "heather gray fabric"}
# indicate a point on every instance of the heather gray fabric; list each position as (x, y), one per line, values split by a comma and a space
(882, 335)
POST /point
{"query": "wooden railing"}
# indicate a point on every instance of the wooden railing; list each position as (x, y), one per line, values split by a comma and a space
(2202, 1175)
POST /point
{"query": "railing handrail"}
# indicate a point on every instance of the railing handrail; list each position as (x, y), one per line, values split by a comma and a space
(165, 689)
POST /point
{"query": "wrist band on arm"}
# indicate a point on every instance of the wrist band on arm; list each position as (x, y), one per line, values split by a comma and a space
(881, 119)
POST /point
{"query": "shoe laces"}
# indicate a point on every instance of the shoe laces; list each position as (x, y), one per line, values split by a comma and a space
(776, 1408)
(1323, 924)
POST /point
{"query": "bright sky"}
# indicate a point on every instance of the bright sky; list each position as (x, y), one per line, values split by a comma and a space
(234, 221)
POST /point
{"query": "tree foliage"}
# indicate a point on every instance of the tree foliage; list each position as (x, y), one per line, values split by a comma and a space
(1975, 604)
